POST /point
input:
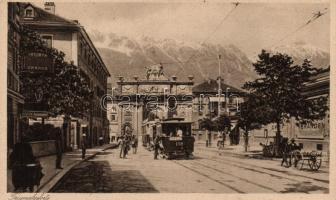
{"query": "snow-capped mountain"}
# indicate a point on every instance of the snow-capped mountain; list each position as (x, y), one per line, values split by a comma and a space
(128, 57)
(301, 51)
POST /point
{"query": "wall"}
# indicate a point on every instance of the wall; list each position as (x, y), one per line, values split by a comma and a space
(63, 42)
(43, 148)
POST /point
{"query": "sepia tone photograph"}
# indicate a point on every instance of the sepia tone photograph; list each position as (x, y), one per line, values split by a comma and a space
(213, 97)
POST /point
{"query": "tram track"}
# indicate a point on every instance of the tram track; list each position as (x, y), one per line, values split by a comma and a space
(208, 177)
(204, 168)
(272, 173)
(235, 176)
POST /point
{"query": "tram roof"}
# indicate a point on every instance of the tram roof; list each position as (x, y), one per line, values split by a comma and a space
(175, 120)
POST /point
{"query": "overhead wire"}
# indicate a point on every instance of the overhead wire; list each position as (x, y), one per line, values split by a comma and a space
(205, 40)
(215, 30)
(310, 21)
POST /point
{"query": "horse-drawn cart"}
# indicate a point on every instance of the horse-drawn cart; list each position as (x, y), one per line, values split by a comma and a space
(312, 159)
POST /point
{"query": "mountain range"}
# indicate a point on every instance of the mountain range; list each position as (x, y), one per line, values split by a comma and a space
(128, 57)
(300, 51)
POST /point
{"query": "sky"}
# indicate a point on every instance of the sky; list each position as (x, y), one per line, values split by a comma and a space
(250, 26)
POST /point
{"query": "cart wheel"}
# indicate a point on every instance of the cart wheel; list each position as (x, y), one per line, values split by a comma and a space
(314, 163)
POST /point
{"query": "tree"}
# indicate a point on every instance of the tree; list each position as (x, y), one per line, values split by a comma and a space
(208, 124)
(251, 116)
(280, 89)
(63, 90)
(222, 123)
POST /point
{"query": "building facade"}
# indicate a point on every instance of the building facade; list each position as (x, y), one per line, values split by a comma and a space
(112, 113)
(210, 101)
(69, 37)
(14, 99)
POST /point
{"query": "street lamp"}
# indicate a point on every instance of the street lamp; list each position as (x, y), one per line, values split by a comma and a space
(219, 85)
(226, 101)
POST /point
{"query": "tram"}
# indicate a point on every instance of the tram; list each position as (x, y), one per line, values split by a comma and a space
(176, 137)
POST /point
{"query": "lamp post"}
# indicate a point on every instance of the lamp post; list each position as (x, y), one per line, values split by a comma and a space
(226, 101)
(219, 84)
(136, 106)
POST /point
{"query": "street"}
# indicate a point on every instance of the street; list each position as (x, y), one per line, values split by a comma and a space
(207, 172)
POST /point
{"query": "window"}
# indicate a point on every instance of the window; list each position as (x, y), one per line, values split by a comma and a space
(47, 39)
(301, 145)
(319, 147)
(113, 117)
(114, 109)
(29, 12)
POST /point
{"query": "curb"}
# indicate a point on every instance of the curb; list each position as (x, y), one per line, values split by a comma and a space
(46, 187)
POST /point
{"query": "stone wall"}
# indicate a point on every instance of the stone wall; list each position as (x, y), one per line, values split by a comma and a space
(43, 148)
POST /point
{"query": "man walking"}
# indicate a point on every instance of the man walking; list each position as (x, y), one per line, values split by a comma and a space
(156, 146)
(285, 151)
(122, 145)
(83, 146)
(134, 144)
(58, 145)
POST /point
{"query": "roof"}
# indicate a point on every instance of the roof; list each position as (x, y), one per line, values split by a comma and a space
(319, 85)
(44, 18)
(211, 86)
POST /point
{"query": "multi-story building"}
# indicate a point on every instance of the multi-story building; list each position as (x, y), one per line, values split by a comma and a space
(112, 112)
(71, 38)
(210, 101)
(14, 99)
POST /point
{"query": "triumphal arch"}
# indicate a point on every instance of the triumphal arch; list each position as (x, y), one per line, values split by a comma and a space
(154, 97)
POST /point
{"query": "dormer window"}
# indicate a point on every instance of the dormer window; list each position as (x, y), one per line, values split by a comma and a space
(29, 12)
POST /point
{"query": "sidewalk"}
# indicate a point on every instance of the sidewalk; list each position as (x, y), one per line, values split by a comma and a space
(53, 175)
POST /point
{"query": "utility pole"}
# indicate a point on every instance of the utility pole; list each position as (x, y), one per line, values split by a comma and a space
(219, 85)
(227, 100)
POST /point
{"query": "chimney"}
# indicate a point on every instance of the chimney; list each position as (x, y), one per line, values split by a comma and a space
(190, 77)
(50, 7)
(174, 78)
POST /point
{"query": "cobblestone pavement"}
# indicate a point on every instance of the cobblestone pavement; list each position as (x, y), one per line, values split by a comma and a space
(207, 172)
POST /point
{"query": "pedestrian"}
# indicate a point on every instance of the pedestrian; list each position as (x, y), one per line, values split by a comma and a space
(83, 146)
(58, 145)
(134, 144)
(156, 146)
(127, 145)
(284, 148)
(122, 145)
(294, 150)
(101, 140)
